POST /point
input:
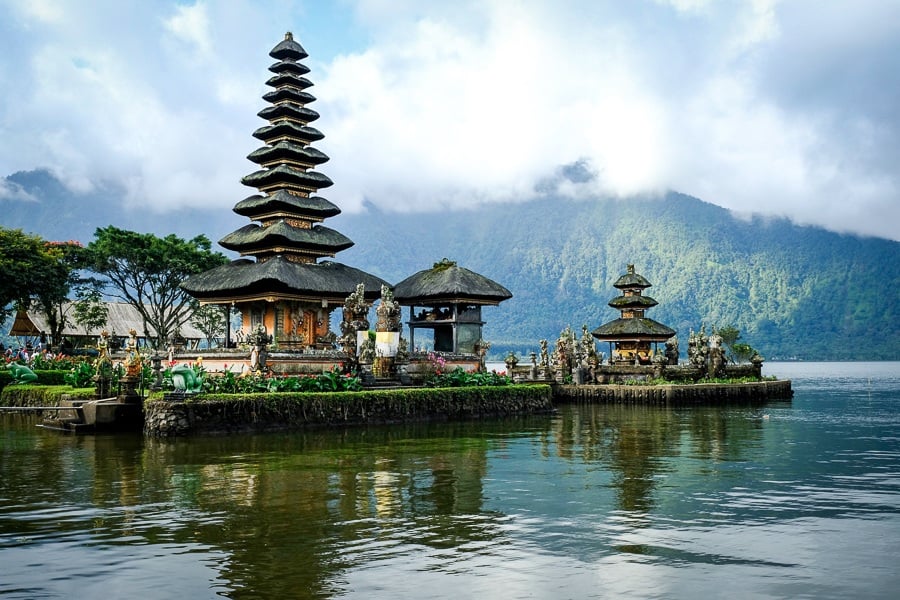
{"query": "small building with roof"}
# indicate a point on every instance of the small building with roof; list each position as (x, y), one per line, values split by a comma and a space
(446, 301)
(121, 317)
(631, 335)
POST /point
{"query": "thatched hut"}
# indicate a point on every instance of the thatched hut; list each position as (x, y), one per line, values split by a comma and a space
(446, 300)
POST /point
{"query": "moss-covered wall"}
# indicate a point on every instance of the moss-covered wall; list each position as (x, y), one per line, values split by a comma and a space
(40, 395)
(43, 378)
(701, 393)
(272, 412)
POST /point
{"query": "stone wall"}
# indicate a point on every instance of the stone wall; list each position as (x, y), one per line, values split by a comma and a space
(708, 393)
(212, 414)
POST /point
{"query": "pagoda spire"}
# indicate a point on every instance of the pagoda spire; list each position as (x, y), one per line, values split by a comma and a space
(280, 283)
(287, 211)
(632, 333)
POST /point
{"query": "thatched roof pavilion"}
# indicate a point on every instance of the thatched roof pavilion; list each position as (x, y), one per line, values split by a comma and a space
(450, 298)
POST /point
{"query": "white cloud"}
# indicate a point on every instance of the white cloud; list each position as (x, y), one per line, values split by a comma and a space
(783, 108)
(190, 25)
(13, 191)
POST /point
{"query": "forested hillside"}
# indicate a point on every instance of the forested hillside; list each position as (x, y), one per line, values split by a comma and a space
(794, 292)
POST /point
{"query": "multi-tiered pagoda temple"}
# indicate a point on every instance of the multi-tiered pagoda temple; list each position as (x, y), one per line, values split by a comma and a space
(284, 287)
(631, 335)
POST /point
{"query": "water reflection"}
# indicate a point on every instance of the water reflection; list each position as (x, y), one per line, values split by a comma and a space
(638, 443)
(528, 501)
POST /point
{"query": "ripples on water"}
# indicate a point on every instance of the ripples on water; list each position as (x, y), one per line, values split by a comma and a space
(786, 500)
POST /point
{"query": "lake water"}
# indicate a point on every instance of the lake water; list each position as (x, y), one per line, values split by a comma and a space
(786, 500)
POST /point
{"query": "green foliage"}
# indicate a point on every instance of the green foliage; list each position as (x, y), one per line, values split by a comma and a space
(34, 270)
(89, 310)
(560, 258)
(289, 408)
(228, 383)
(730, 335)
(81, 375)
(33, 395)
(741, 353)
(737, 353)
(56, 363)
(459, 377)
(44, 377)
(211, 321)
(147, 271)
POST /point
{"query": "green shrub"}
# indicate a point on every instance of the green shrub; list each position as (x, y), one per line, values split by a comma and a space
(459, 377)
(81, 375)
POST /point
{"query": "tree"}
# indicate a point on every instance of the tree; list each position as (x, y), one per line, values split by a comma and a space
(51, 299)
(146, 271)
(89, 309)
(211, 321)
(33, 270)
(737, 353)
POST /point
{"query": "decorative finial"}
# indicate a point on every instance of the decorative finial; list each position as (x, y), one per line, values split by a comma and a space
(631, 269)
(289, 36)
(444, 264)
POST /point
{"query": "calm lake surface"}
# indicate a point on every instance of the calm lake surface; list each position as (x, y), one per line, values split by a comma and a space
(786, 500)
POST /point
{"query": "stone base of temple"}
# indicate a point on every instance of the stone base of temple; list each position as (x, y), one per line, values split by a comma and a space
(313, 362)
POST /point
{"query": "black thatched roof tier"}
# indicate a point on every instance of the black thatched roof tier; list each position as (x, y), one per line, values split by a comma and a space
(446, 282)
(289, 66)
(288, 49)
(631, 280)
(256, 239)
(288, 110)
(287, 175)
(633, 302)
(287, 129)
(284, 201)
(288, 151)
(278, 277)
(289, 93)
(286, 78)
(640, 328)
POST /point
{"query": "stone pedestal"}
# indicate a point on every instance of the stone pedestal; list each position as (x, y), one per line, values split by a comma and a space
(103, 386)
(129, 393)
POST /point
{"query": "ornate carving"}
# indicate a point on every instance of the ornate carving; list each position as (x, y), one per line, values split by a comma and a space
(388, 312)
(355, 319)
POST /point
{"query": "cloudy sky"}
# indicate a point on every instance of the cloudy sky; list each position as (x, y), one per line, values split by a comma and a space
(787, 108)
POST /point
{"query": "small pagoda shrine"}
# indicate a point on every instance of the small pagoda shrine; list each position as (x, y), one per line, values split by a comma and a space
(447, 300)
(631, 335)
(284, 289)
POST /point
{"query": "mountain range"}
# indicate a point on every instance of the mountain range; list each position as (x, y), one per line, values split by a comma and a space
(795, 292)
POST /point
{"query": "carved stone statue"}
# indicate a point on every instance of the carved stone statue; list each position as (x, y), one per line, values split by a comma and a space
(185, 380)
(133, 361)
(672, 351)
(260, 351)
(698, 349)
(103, 366)
(388, 312)
(367, 350)
(716, 361)
(588, 347)
(402, 356)
(21, 373)
(545, 356)
(355, 319)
